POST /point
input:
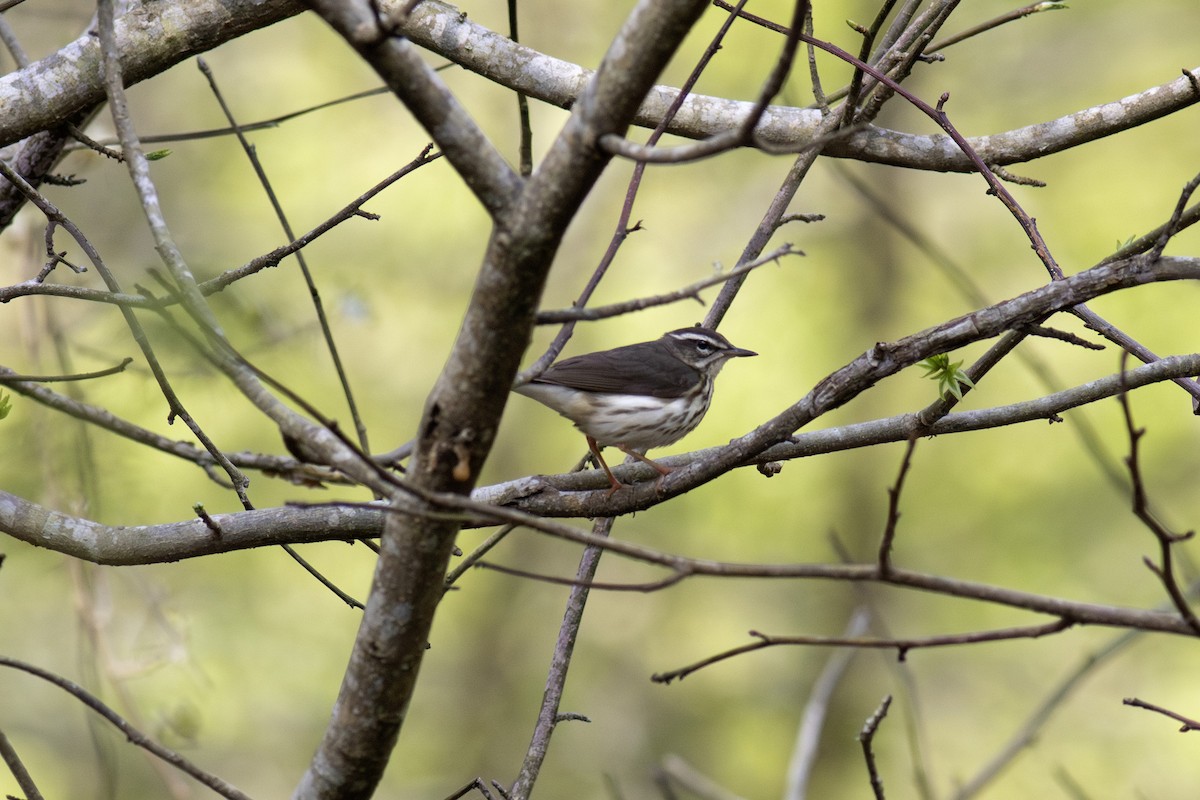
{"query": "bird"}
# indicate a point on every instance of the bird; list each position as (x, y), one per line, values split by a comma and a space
(639, 396)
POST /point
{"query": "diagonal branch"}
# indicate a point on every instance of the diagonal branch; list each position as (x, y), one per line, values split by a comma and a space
(568, 495)
(881, 361)
(134, 736)
(379, 41)
(463, 410)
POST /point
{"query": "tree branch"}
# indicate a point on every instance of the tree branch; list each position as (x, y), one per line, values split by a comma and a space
(131, 733)
(881, 361)
(556, 680)
(48, 92)
(382, 44)
(1188, 724)
(901, 646)
(463, 410)
(567, 495)
(151, 38)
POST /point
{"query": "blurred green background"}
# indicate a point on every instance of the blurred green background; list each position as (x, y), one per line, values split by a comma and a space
(236, 659)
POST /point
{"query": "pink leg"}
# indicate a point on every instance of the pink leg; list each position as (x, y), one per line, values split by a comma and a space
(595, 448)
(645, 459)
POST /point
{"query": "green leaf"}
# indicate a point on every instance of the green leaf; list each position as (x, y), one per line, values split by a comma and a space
(5, 405)
(951, 378)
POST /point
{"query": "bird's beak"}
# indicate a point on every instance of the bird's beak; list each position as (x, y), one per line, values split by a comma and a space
(734, 352)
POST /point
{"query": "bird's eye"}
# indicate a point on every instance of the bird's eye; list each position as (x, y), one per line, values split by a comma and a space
(703, 347)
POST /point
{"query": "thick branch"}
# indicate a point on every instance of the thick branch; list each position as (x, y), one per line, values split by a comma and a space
(881, 361)
(558, 82)
(463, 411)
(568, 495)
(119, 545)
(50, 91)
(151, 38)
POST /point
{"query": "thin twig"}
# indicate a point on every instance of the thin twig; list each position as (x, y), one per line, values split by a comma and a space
(689, 292)
(259, 125)
(525, 148)
(478, 553)
(1188, 723)
(609, 586)
(328, 584)
(351, 210)
(995, 22)
(893, 516)
(225, 279)
(743, 134)
(281, 466)
(548, 715)
(1165, 569)
(476, 785)
(133, 735)
(867, 737)
(900, 645)
(1046, 332)
(1175, 223)
(24, 780)
(854, 89)
(808, 737)
(91, 144)
(11, 43)
(78, 376)
(310, 283)
(623, 227)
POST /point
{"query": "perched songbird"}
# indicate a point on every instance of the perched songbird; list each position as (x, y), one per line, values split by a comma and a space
(639, 396)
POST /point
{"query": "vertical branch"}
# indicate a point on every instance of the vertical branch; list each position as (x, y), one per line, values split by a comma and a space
(1165, 569)
(462, 411)
(808, 737)
(139, 171)
(893, 517)
(548, 716)
(866, 738)
(526, 143)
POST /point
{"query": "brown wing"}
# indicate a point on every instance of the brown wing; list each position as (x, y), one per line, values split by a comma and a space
(634, 369)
